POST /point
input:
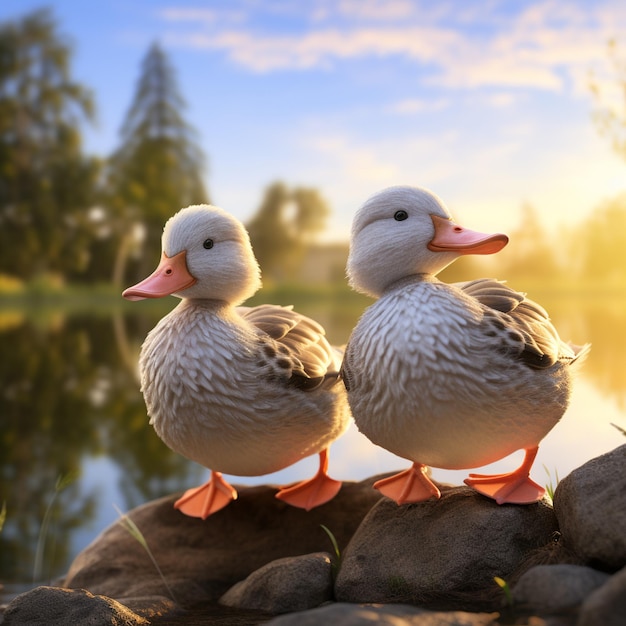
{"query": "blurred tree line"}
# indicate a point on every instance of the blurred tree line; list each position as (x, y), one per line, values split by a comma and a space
(90, 219)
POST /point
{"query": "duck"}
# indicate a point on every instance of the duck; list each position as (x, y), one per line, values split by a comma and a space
(240, 390)
(452, 376)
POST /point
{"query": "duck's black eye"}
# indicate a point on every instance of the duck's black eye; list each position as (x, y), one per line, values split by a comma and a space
(208, 244)
(400, 215)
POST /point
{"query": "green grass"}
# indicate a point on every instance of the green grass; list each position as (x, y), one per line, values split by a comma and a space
(505, 588)
(62, 482)
(3, 515)
(551, 486)
(134, 532)
(337, 560)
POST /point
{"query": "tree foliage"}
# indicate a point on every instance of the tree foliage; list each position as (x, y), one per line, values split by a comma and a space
(46, 184)
(158, 168)
(286, 222)
(602, 242)
(610, 114)
(530, 253)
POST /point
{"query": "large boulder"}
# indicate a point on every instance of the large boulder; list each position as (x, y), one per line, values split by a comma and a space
(201, 559)
(590, 505)
(442, 552)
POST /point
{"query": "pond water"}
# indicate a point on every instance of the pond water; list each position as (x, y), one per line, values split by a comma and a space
(75, 442)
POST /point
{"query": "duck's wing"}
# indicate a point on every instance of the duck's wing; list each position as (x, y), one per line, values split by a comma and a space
(299, 339)
(524, 325)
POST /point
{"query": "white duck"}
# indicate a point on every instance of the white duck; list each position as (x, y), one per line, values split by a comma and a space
(451, 376)
(245, 391)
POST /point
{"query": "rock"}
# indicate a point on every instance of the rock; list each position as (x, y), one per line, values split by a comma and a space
(262, 556)
(441, 553)
(590, 505)
(343, 614)
(607, 604)
(52, 606)
(291, 584)
(549, 589)
(201, 560)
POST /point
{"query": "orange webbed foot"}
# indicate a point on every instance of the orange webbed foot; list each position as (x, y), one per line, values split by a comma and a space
(513, 488)
(313, 492)
(208, 498)
(411, 485)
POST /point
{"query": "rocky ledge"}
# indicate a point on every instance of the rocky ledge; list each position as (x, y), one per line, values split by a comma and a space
(433, 563)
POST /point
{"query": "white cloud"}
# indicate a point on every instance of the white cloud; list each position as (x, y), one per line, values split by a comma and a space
(412, 106)
(204, 16)
(501, 100)
(319, 48)
(541, 46)
(376, 9)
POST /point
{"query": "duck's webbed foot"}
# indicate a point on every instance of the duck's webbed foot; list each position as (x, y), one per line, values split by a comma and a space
(514, 488)
(208, 498)
(313, 492)
(411, 485)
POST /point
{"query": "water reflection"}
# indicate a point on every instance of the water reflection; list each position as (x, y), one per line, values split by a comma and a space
(70, 402)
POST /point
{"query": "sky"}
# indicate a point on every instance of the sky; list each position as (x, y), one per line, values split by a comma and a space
(486, 103)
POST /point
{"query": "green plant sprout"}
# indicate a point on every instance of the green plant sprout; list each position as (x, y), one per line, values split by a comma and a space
(505, 587)
(337, 559)
(134, 532)
(3, 515)
(551, 487)
(621, 430)
(63, 480)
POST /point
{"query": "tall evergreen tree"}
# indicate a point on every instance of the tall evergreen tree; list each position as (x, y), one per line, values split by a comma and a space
(46, 184)
(158, 167)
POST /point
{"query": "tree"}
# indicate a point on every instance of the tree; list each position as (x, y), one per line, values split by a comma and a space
(602, 241)
(610, 117)
(284, 225)
(158, 167)
(529, 255)
(46, 184)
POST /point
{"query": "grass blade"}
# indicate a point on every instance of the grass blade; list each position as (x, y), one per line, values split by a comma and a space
(63, 481)
(333, 541)
(621, 430)
(134, 532)
(505, 587)
(551, 487)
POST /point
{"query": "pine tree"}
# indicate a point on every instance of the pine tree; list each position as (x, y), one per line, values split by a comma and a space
(158, 167)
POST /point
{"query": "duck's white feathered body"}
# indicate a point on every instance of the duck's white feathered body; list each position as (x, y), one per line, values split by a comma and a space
(453, 376)
(461, 391)
(220, 391)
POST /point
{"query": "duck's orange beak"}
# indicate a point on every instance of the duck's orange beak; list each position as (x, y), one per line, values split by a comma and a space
(169, 277)
(450, 237)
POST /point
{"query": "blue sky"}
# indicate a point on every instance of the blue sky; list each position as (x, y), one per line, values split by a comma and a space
(485, 102)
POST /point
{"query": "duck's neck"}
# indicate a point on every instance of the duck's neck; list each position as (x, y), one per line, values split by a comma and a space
(215, 307)
(412, 279)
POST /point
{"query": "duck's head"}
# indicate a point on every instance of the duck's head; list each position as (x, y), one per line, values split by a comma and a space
(403, 231)
(206, 254)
